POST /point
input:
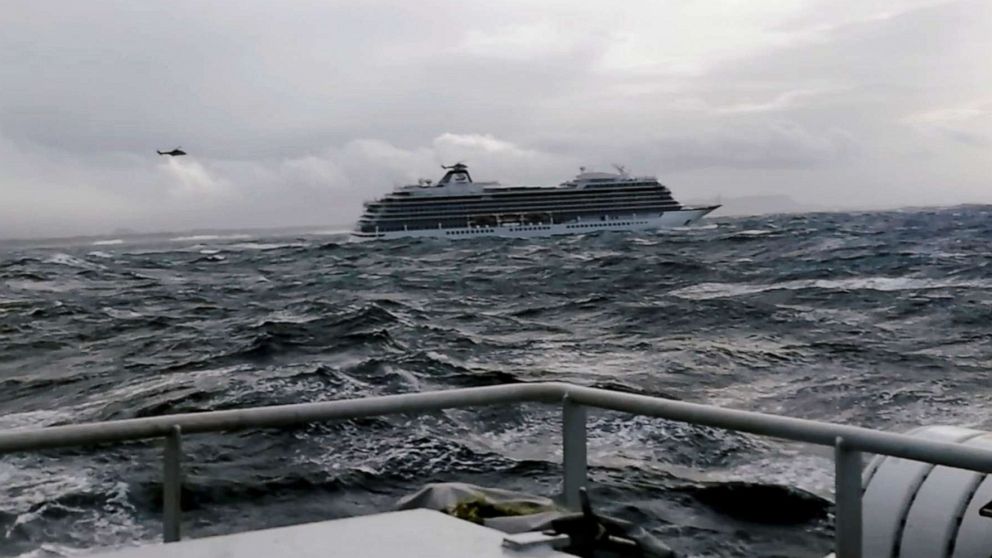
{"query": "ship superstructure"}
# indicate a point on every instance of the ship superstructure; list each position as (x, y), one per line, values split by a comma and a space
(458, 207)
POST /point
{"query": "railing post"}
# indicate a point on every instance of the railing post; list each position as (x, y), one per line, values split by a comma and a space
(847, 489)
(573, 452)
(172, 486)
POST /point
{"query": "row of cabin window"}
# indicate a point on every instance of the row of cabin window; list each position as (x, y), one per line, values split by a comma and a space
(489, 231)
(453, 223)
(588, 225)
(559, 216)
(511, 194)
(496, 207)
(591, 197)
(582, 226)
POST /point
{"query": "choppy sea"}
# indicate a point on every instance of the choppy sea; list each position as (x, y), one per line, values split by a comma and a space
(873, 319)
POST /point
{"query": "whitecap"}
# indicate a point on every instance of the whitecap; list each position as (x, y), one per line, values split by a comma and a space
(202, 237)
(121, 314)
(7, 301)
(113, 242)
(704, 291)
(34, 419)
(812, 473)
(72, 261)
(262, 246)
(43, 286)
(99, 254)
(32, 489)
(288, 317)
(899, 284)
(26, 487)
(691, 228)
(51, 550)
(643, 242)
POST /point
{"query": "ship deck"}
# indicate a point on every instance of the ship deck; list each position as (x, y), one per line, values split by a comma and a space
(404, 534)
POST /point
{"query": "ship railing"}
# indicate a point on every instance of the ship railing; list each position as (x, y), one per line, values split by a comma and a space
(848, 442)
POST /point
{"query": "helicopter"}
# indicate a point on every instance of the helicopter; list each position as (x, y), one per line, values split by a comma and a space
(174, 153)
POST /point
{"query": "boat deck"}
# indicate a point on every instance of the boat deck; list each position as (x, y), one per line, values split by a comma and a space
(404, 534)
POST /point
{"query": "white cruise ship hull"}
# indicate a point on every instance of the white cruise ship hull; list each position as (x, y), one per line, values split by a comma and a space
(669, 219)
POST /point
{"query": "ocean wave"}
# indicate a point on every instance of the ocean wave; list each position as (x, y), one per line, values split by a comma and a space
(263, 246)
(779, 505)
(444, 370)
(18, 262)
(114, 242)
(51, 550)
(272, 338)
(876, 319)
(595, 302)
(32, 419)
(706, 227)
(209, 258)
(14, 302)
(653, 440)
(25, 279)
(210, 237)
(754, 233)
(51, 504)
(122, 314)
(72, 261)
(186, 390)
(705, 291)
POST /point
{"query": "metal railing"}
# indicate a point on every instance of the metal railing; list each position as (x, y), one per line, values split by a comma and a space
(848, 441)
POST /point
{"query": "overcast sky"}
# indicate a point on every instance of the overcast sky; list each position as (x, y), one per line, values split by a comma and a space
(294, 112)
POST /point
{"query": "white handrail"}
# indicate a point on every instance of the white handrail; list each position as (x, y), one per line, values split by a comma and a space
(848, 441)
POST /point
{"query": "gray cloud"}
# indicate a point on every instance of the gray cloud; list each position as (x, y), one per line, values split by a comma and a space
(296, 113)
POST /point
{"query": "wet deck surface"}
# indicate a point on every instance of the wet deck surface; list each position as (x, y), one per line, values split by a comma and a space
(404, 534)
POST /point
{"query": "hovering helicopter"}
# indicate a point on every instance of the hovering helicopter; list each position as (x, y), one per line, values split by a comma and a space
(174, 153)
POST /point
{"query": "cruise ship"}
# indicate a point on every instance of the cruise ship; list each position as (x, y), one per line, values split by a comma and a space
(457, 207)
